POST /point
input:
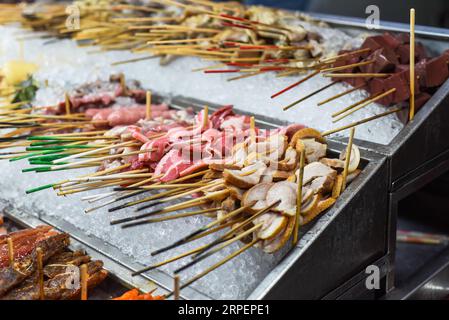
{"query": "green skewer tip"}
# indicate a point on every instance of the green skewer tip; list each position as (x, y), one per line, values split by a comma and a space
(47, 186)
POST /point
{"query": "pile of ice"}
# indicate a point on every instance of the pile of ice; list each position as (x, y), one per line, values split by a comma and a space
(235, 280)
(64, 65)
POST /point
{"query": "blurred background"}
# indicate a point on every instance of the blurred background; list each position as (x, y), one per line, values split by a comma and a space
(429, 12)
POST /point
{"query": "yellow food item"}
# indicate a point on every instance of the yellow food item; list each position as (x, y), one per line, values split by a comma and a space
(16, 71)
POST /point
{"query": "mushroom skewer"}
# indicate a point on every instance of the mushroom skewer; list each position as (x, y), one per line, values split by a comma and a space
(239, 227)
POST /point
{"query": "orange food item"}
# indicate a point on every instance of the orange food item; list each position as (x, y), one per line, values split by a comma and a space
(135, 295)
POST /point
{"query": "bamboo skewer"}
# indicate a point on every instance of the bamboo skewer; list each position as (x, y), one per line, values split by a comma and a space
(348, 159)
(91, 152)
(364, 104)
(299, 196)
(173, 217)
(311, 75)
(40, 273)
(176, 288)
(412, 65)
(161, 211)
(170, 260)
(114, 156)
(356, 123)
(67, 103)
(218, 264)
(348, 66)
(239, 227)
(341, 94)
(84, 276)
(357, 75)
(201, 256)
(182, 194)
(309, 95)
(199, 230)
(148, 105)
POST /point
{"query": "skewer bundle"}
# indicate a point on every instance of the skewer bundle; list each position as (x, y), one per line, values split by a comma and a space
(251, 190)
(251, 40)
(382, 66)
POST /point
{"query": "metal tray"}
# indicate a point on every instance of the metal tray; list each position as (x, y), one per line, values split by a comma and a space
(108, 289)
(331, 256)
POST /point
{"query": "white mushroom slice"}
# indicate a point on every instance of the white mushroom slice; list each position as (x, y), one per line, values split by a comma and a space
(256, 196)
(316, 48)
(333, 163)
(286, 192)
(239, 156)
(247, 177)
(220, 166)
(314, 170)
(271, 246)
(227, 205)
(281, 175)
(272, 148)
(307, 193)
(290, 160)
(355, 158)
(322, 184)
(310, 204)
(314, 150)
(236, 193)
(350, 177)
(273, 224)
(306, 133)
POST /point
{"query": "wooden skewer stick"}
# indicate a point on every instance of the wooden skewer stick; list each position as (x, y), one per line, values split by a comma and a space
(123, 83)
(199, 257)
(295, 84)
(354, 124)
(199, 230)
(353, 65)
(341, 94)
(252, 130)
(217, 265)
(205, 116)
(10, 252)
(348, 159)
(172, 217)
(159, 264)
(40, 273)
(299, 196)
(344, 55)
(412, 64)
(123, 175)
(168, 209)
(357, 75)
(239, 227)
(90, 152)
(114, 156)
(183, 194)
(376, 98)
(148, 102)
(67, 103)
(176, 288)
(352, 106)
(84, 278)
(134, 60)
(309, 95)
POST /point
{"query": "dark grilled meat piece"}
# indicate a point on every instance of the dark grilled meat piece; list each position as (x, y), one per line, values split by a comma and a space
(58, 263)
(60, 287)
(10, 277)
